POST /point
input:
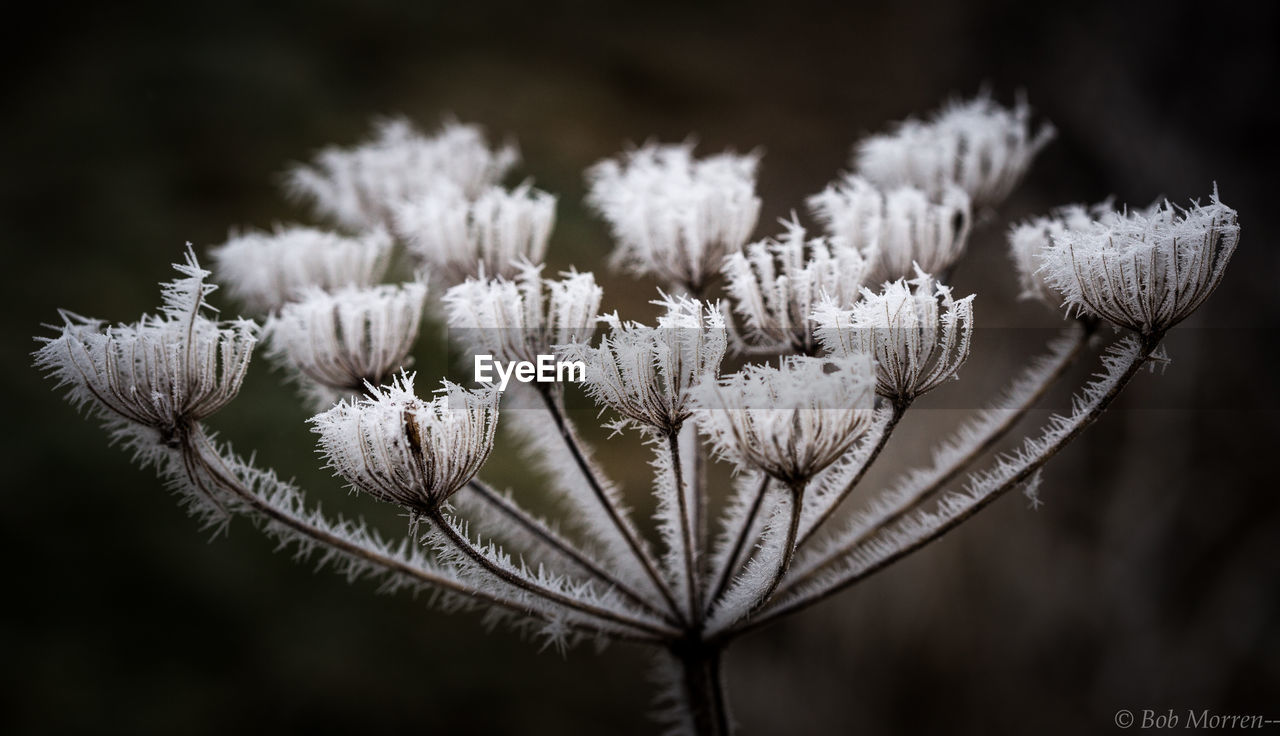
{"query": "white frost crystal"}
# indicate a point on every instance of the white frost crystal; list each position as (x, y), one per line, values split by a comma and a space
(896, 229)
(266, 270)
(490, 236)
(675, 217)
(1148, 270)
(791, 421)
(916, 331)
(1028, 242)
(342, 340)
(398, 448)
(360, 187)
(775, 285)
(977, 146)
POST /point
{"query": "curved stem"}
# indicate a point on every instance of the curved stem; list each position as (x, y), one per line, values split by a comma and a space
(788, 546)
(971, 453)
(899, 408)
(194, 455)
(1146, 345)
(537, 529)
(732, 562)
(624, 528)
(464, 545)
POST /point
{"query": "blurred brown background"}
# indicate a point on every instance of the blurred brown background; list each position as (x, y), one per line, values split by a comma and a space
(1149, 579)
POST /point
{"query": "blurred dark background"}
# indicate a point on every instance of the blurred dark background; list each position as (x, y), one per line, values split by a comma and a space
(1149, 579)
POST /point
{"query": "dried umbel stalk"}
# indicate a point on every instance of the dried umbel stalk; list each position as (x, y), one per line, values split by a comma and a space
(860, 324)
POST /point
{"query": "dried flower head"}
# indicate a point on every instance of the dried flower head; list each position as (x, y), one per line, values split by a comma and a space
(675, 217)
(526, 317)
(337, 342)
(775, 284)
(489, 236)
(915, 330)
(977, 145)
(645, 373)
(399, 448)
(1147, 270)
(266, 270)
(896, 229)
(360, 187)
(1029, 240)
(791, 421)
(164, 371)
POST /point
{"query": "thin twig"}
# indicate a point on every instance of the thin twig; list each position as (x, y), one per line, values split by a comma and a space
(686, 528)
(788, 546)
(732, 561)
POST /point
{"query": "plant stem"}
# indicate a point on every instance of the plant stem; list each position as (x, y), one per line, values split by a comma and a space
(703, 685)
(731, 561)
(624, 528)
(788, 546)
(686, 527)
(464, 545)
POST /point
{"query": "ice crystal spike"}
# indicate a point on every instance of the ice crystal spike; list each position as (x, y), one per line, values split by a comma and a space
(791, 421)
(1147, 271)
(398, 448)
(164, 371)
(492, 235)
(775, 285)
(1029, 240)
(975, 145)
(675, 217)
(360, 187)
(896, 229)
(916, 331)
(523, 318)
(335, 343)
(266, 270)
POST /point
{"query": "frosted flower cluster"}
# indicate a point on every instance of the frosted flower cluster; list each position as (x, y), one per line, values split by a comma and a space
(976, 145)
(896, 229)
(525, 317)
(336, 342)
(777, 283)
(918, 333)
(646, 373)
(396, 447)
(456, 238)
(265, 270)
(673, 216)
(1146, 271)
(1028, 242)
(791, 421)
(359, 187)
(164, 371)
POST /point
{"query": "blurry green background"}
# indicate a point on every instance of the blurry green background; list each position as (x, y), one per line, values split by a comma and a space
(1148, 580)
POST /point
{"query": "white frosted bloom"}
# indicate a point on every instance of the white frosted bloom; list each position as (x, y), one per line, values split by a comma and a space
(339, 341)
(489, 236)
(266, 270)
(646, 373)
(791, 421)
(164, 371)
(1144, 270)
(916, 331)
(525, 317)
(775, 284)
(976, 145)
(360, 187)
(675, 217)
(896, 229)
(1029, 240)
(398, 448)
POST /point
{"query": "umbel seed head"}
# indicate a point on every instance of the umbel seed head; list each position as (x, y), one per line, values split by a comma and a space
(1147, 271)
(164, 371)
(398, 448)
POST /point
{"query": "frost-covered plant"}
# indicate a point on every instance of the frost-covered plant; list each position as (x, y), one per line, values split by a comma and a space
(800, 433)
